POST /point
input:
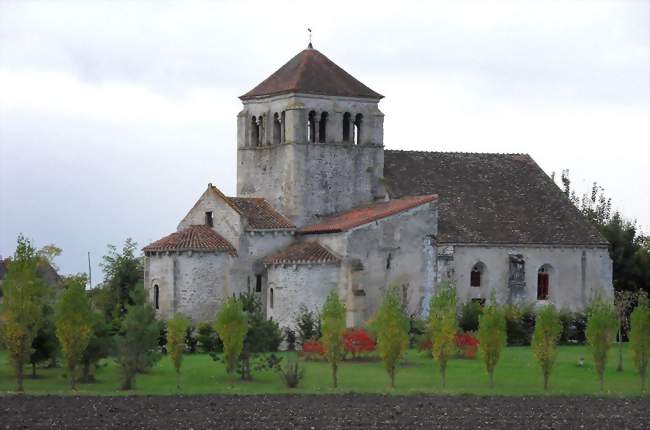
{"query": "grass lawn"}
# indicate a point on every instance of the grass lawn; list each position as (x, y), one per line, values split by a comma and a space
(516, 374)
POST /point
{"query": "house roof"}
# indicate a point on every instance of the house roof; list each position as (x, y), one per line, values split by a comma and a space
(311, 72)
(309, 252)
(365, 214)
(44, 270)
(260, 214)
(490, 198)
(194, 238)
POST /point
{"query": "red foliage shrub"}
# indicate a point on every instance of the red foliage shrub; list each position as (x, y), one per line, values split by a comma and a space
(467, 344)
(312, 350)
(357, 342)
(425, 345)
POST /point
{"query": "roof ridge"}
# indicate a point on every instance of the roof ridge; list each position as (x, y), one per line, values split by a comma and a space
(456, 152)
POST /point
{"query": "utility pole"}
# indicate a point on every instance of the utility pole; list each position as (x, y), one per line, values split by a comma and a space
(90, 274)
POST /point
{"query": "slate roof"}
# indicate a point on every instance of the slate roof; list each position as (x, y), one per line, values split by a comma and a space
(365, 214)
(311, 72)
(260, 215)
(302, 253)
(194, 238)
(490, 198)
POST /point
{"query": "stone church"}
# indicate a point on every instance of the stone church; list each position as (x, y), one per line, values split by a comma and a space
(321, 205)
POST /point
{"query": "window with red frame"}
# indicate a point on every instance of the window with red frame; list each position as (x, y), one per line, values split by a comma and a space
(542, 283)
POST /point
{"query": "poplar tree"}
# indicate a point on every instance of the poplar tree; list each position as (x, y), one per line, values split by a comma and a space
(492, 336)
(602, 323)
(443, 326)
(232, 326)
(548, 329)
(176, 329)
(332, 327)
(640, 337)
(23, 292)
(392, 326)
(74, 325)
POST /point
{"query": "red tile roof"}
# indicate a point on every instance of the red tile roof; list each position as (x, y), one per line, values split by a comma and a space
(302, 253)
(365, 214)
(311, 72)
(193, 238)
(260, 214)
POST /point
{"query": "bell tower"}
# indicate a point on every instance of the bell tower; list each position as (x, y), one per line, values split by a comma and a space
(310, 140)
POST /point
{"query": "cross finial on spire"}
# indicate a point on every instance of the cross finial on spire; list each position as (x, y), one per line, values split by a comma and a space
(310, 45)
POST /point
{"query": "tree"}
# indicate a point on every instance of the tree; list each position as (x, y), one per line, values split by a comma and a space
(45, 345)
(137, 343)
(123, 271)
(623, 302)
(176, 329)
(392, 327)
(232, 327)
(22, 307)
(601, 329)
(548, 329)
(640, 337)
(48, 253)
(333, 326)
(99, 346)
(307, 325)
(73, 321)
(492, 336)
(443, 326)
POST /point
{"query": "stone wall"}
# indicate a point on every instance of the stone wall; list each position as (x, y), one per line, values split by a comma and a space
(226, 221)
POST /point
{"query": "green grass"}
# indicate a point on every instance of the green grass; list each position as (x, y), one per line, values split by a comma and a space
(516, 374)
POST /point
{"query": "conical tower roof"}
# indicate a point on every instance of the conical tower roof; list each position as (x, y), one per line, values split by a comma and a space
(311, 72)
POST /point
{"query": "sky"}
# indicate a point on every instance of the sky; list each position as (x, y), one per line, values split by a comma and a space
(114, 116)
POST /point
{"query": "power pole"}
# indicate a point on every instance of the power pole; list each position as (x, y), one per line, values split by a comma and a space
(90, 273)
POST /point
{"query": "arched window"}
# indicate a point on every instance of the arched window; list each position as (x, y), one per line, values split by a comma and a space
(255, 132)
(476, 275)
(346, 126)
(276, 129)
(311, 127)
(358, 120)
(322, 128)
(156, 296)
(283, 129)
(260, 124)
(543, 282)
(271, 298)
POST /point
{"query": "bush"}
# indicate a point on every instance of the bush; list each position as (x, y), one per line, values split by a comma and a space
(290, 337)
(291, 373)
(520, 324)
(207, 338)
(417, 330)
(190, 339)
(357, 342)
(467, 345)
(308, 326)
(573, 327)
(469, 314)
(312, 350)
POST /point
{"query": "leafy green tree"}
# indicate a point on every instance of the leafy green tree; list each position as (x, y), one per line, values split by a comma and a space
(176, 328)
(48, 253)
(492, 336)
(333, 325)
(548, 329)
(623, 302)
(640, 337)
(232, 327)
(22, 307)
(443, 326)
(45, 346)
(99, 346)
(307, 325)
(392, 328)
(207, 338)
(137, 343)
(123, 271)
(602, 324)
(73, 320)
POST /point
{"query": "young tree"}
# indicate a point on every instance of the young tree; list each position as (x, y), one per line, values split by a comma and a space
(443, 326)
(23, 292)
(640, 337)
(333, 326)
(492, 336)
(99, 346)
(45, 346)
(602, 324)
(123, 271)
(623, 301)
(232, 327)
(392, 327)
(548, 329)
(73, 321)
(137, 344)
(176, 329)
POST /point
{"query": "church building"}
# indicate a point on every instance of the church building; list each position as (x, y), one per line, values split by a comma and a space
(321, 205)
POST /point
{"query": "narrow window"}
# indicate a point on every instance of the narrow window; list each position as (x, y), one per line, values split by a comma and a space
(276, 129)
(358, 120)
(405, 291)
(283, 129)
(517, 276)
(260, 126)
(255, 132)
(271, 298)
(311, 127)
(543, 283)
(475, 275)
(346, 126)
(388, 260)
(322, 128)
(156, 296)
(258, 283)
(208, 219)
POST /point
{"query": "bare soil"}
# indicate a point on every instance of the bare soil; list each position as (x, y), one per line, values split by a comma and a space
(321, 412)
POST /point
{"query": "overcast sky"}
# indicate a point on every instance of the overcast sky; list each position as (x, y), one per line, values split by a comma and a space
(114, 116)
